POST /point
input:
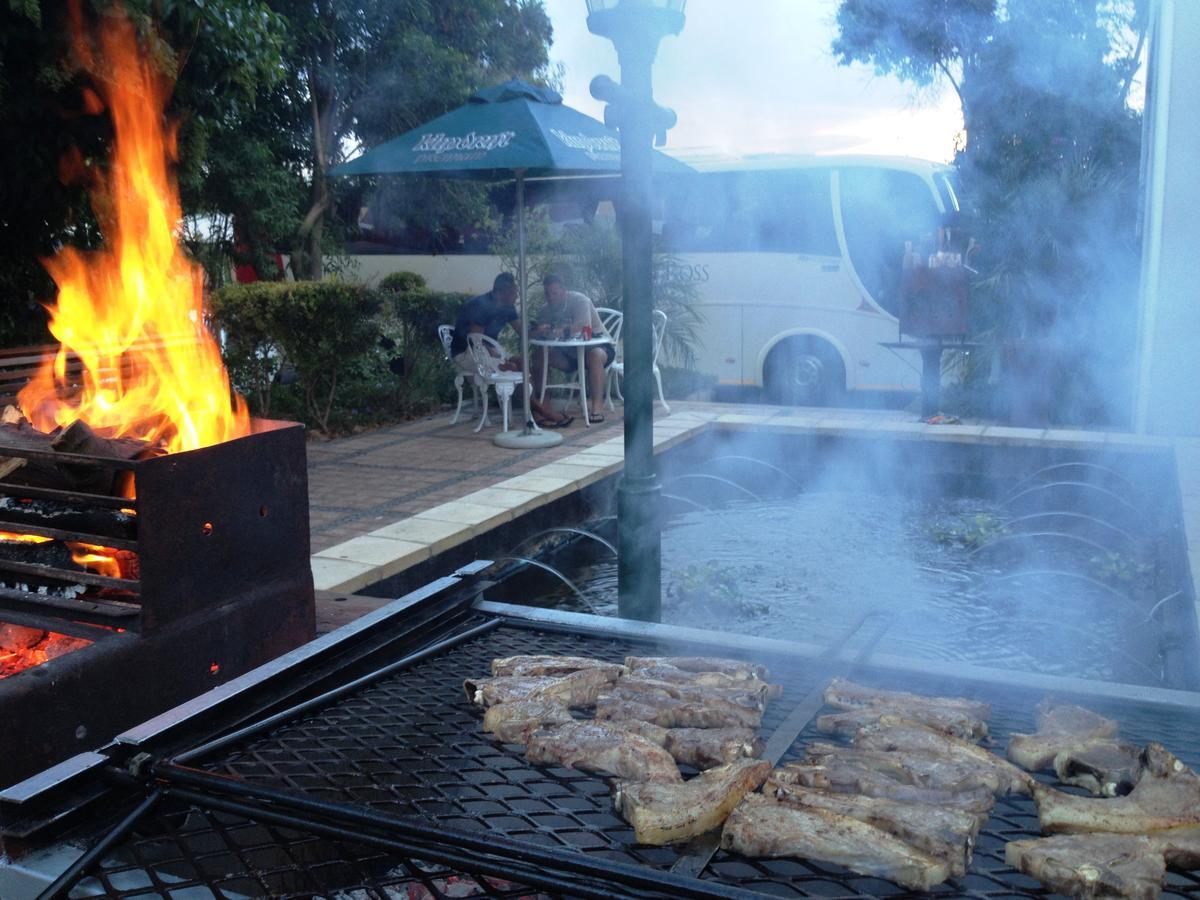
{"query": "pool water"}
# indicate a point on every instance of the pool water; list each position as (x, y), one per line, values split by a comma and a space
(809, 566)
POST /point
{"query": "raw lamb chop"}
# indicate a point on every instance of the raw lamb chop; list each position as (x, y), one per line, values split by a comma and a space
(550, 665)
(665, 813)
(1104, 766)
(897, 734)
(1060, 725)
(594, 747)
(852, 778)
(577, 690)
(766, 828)
(949, 721)
(1166, 796)
(510, 722)
(843, 694)
(733, 667)
(704, 748)
(671, 713)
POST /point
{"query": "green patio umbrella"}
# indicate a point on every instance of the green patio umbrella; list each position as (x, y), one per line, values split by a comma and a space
(514, 130)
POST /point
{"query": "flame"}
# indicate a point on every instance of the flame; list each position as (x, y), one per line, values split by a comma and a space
(95, 559)
(132, 312)
(13, 537)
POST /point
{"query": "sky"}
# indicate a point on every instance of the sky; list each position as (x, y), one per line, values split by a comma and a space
(757, 76)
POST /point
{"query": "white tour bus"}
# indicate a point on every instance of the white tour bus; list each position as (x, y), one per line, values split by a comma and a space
(796, 262)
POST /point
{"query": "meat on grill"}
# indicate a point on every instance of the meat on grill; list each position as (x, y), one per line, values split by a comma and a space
(675, 675)
(922, 767)
(577, 690)
(944, 833)
(1091, 865)
(949, 721)
(656, 734)
(551, 665)
(634, 688)
(763, 827)
(595, 747)
(835, 774)
(1166, 796)
(734, 667)
(668, 712)
(1059, 726)
(1106, 865)
(1104, 766)
(705, 748)
(510, 722)
(662, 813)
(908, 737)
(843, 694)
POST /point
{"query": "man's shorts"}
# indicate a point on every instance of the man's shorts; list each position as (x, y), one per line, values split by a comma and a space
(572, 357)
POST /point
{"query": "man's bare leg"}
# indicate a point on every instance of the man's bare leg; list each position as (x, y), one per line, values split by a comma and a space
(596, 357)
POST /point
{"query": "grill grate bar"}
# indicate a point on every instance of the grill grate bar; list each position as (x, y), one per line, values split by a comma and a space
(92, 610)
(70, 498)
(488, 854)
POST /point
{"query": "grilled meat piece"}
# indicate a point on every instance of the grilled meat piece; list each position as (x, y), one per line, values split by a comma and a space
(705, 748)
(843, 694)
(634, 688)
(675, 675)
(577, 690)
(945, 834)
(851, 778)
(655, 734)
(897, 734)
(511, 722)
(665, 813)
(1166, 796)
(1091, 865)
(1106, 767)
(550, 665)
(919, 767)
(764, 827)
(948, 721)
(595, 747)
(1059, 725)
(670, 713)
(733, 667)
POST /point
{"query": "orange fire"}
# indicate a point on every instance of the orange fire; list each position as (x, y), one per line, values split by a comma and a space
(133, 311)
(14, 537)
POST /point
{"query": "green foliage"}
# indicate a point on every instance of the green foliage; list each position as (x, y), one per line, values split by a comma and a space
(1049, 171)
(325, 329)
(1119, 569)
(711, 591)
(969, 533)
(412, 317)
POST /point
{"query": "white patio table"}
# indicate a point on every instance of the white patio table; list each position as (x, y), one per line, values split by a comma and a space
(581, 347)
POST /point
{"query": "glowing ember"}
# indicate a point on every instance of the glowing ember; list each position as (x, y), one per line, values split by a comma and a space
(23, 648)
(133, 312)
(13, 538)
(103, 560)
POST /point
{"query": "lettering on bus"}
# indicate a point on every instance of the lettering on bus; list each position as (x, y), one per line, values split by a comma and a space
(683, 273)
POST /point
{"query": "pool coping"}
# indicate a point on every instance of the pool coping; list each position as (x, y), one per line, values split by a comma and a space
(383, 553)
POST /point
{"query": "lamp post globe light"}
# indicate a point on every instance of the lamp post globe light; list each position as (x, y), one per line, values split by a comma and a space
(635, 27)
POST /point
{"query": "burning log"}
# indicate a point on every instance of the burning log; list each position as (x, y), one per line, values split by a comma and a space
(18, 511)
(76, 439)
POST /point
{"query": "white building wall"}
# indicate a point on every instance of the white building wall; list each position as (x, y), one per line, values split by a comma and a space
(1167, 396)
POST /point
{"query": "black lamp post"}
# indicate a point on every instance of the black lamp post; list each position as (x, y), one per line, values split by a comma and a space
(635, 27)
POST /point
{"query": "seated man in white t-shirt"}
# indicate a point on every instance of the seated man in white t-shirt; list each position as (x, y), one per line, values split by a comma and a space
(573, 310)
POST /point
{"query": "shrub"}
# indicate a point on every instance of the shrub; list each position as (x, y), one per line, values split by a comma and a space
(324, 328)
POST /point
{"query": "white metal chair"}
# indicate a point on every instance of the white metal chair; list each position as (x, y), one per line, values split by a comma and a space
(446, 336)
(488, 355)
(613, 320)
(617, 369)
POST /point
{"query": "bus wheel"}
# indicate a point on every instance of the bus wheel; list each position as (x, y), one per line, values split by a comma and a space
(804, 372)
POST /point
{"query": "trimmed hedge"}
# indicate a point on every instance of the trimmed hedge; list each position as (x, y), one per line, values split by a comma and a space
(322, 328)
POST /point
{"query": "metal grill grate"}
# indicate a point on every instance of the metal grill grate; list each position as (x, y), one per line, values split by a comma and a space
(412, 745)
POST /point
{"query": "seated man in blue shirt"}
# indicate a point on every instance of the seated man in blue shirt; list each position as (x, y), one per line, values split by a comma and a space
(488, 314)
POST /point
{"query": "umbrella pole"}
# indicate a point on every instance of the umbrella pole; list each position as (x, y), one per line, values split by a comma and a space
(530, 435)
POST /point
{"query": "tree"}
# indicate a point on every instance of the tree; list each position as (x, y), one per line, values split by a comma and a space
(219, 52)
(1049, 172)
(366, 71)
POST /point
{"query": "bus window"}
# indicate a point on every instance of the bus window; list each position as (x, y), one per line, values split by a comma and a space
(881, 209)
(765, 212)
